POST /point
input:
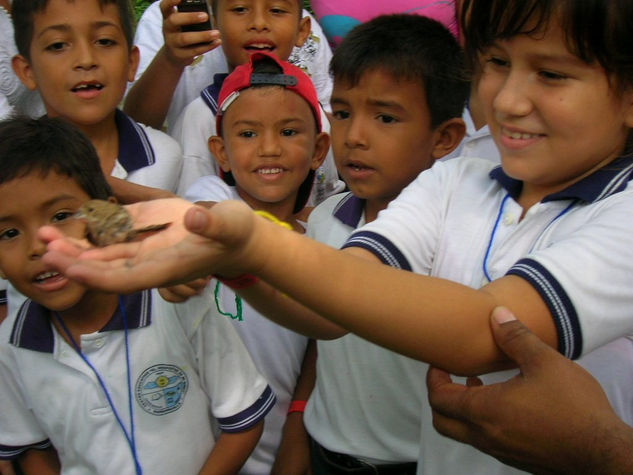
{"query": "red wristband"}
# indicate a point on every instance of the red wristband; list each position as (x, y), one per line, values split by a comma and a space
(297, 406)
(240, 282)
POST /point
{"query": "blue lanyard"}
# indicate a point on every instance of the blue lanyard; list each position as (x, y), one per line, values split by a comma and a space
(129, 436)
(496, 225)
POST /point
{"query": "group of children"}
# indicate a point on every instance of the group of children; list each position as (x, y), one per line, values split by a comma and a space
(223, 378)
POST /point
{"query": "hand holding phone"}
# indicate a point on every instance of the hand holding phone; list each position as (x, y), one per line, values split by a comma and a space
(195, 6)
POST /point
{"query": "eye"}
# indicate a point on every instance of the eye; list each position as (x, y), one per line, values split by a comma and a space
(61, 216)
(386, 119)
(496, 61)
(239, 9)
(106, 42)
(340, 114)
(289, 132)
(552, 76)
(56, 46)
(277, 10)
(247, 134)
(7, 234)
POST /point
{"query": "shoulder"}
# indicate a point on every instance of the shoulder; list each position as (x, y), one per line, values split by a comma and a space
(210, 188)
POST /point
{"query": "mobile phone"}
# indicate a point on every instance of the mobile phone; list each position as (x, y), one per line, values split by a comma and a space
(195, 6)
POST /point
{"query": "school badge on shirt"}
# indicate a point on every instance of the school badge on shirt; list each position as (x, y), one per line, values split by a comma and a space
(161, 389)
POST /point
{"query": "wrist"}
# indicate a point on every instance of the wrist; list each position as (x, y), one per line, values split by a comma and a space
(297, 406)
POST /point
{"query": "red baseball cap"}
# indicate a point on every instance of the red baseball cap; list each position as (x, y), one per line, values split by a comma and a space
(291, 78)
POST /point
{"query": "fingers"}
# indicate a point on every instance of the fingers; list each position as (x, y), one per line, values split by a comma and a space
(516, 340)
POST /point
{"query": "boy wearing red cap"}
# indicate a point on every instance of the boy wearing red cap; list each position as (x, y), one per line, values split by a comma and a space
(268, 145)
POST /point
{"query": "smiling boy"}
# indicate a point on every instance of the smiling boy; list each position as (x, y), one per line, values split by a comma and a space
(118, 384)
(270, 26)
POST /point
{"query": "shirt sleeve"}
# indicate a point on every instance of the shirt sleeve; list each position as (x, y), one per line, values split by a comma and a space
(19, 428)
(584, 275)
(239, 395)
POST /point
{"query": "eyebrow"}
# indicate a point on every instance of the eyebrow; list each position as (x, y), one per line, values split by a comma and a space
(48, 203)
(248, 122)
(64, 27)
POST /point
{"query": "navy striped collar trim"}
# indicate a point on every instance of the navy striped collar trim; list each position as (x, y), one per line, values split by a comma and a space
(32, 329)
(210, 94)
(135, 149)
(350, 210)
(608, 180)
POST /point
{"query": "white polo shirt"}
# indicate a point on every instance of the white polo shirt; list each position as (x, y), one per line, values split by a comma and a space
(186, 367)
(277, 352)
(146, 156)
(313, 57)
(197, 124)
(575, 247)
(367, 400)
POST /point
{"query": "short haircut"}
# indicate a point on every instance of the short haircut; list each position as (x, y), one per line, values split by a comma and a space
(47, 145)
(23, 13)
(595, 30)
(412, 48)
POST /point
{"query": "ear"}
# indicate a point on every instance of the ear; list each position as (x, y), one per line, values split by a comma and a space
(628, 104)
(321, 148)
(218, 150)
(447, 137)
(305, 26)
(23, 70)
(133, 60)
(2, 274)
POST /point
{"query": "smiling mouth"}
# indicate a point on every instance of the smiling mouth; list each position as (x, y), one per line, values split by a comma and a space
(44, 276)
(520, 135)
(87, 87)
(259, 47)
(269, 171)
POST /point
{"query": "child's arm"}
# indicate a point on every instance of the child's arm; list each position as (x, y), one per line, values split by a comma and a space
(231, 451)
(40, 462)
(430, 319)
(149, 98)
(293, 456)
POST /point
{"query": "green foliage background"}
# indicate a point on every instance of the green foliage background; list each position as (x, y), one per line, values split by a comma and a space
(141, 5)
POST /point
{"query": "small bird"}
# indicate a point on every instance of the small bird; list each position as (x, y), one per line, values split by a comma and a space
(107, 222)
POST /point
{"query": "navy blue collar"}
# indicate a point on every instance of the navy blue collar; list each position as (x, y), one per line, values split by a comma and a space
(135, 149)
(604, 182)
(211, 93)
(32, 328)
(350, 210)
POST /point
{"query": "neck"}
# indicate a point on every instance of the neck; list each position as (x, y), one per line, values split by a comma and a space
(105, 139)
(89, 315)
(373, 207)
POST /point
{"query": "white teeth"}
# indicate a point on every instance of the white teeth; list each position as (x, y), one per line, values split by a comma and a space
(519, 135)
(47, 275)
(269, 171)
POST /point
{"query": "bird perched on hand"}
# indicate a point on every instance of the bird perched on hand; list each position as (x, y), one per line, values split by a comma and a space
(107, 222)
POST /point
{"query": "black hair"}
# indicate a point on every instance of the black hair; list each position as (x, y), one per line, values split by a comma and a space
(23, 12)
(408, 47)
(595, 30)
(50, 145)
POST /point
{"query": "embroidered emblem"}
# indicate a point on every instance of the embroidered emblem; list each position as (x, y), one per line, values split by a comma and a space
(161, 389)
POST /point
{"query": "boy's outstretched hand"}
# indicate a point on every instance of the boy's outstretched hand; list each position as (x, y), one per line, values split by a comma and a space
(172, 256)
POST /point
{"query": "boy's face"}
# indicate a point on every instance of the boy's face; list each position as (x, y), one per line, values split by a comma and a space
(26, 204)
(269, 144)
(247, 26)
(381, 135)
(554, 118)
(79, 60)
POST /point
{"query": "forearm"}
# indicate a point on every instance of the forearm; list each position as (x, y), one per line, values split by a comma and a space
(127, 192)
(430, 319)
(231, 450)
(612, 452)
(148, 100)
(40, 462)
(288, 313)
